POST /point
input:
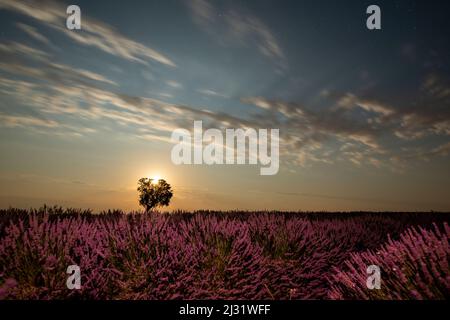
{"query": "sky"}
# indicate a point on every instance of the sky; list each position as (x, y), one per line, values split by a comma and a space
(363, 115)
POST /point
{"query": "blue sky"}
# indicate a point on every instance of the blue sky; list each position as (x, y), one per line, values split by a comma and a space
(364, 116)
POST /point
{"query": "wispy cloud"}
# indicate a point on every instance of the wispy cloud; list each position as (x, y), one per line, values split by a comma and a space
(9, 50)
(26, 121)
(19, 59)
(342, 132)
(350, 101)
(94, 33)
(208, 92)
(165, 95)
(350, 128)
(33, 32)
(174, 84)
(338, 134)
(237, 27)
(247, 27)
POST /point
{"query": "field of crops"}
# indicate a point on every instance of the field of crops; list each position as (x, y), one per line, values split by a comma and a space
(223, 255)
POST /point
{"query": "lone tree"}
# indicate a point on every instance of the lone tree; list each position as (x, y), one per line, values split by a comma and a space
(154, 193)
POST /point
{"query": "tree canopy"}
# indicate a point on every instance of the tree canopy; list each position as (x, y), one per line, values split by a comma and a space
(154, 193)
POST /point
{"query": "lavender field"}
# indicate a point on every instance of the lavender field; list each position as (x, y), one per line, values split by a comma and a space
(223, 255)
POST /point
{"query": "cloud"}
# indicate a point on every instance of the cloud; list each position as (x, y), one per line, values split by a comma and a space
(435, 86)
(26, 121)
(13, 48)
(174, 84)
(307, 135)
(429, 114)
(350, 101)
(368, 131)
(316, 125)
(213, 93)
(19, 59)
(350, 128)
(233, 26)
(203, 12)
(32, 32)
(94, 33)
(442, 150)
(77, 97)
(247, 27)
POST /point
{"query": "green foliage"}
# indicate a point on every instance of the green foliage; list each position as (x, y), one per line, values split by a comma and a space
(154, 194)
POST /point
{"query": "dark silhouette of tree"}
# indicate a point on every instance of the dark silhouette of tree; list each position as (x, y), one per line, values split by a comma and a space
(154, 194)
